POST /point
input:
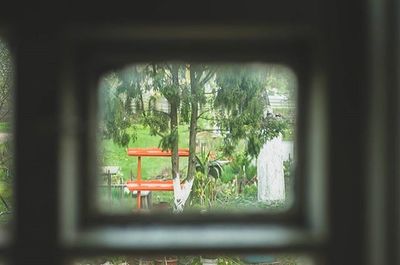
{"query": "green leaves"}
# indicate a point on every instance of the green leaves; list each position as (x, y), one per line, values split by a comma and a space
(231, 98)
(242, 103)
(210, 168)
(167, 141)
(131, 96)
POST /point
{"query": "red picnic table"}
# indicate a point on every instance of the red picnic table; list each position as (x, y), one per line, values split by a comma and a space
(151, 185)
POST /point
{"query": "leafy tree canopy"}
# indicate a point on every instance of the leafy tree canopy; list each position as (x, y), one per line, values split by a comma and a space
(237, 101)
(241, 104)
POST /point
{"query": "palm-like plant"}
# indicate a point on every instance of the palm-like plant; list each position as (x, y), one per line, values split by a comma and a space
(210, 168)
(204, 186)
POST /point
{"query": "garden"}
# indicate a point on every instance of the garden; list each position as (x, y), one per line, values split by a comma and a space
(236, 121)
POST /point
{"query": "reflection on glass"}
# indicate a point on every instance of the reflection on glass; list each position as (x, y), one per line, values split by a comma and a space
(281, 259)
(181, 137)
(6, 174)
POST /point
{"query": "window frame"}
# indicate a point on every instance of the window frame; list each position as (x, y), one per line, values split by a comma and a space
(90, 52)
(357, 37)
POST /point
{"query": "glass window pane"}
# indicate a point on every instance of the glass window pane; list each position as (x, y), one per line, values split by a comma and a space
(184, 137)
(6, 134)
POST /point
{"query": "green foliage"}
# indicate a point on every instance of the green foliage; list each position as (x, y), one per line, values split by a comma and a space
(5, 166)
(204, 190)
(228, 174)
(251, 172)
(288, 171)
(206, 180)
(6, 174)
(6, 72)
(115, 155)
(185, 108)
(5, 62)
(232, 99)
(239, 97)
(6, 182)
(281, 80)
(210, 168)
(288, 166)
(226, 192)
(241, 105)
(116, 114)
(167, 140)
(289, 132)
(5, 127)
(250, 191)
(243, 169)
(241, 165)
(122, 95)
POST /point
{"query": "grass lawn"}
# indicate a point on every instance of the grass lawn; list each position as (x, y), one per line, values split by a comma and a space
(114, 155)
(153, 167)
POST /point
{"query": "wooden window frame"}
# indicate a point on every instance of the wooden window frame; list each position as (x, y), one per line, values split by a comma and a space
(358, 48)
(304, 226)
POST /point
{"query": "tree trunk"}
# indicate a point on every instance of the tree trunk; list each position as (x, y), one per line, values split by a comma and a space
(174, 147)
(193, 123)
(174, 104)
(181, 192)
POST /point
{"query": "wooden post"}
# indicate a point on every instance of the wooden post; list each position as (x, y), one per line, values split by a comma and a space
(109, 187)
(139, 178)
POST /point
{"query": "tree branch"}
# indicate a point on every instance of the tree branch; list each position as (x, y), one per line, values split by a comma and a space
(201, 114)
(208, 119)
(160, 134)
(146, 117)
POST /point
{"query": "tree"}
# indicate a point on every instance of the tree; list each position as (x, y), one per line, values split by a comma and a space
(132, 85)
(241, 105)
(199, 76)
(238, 112)
(166, 78)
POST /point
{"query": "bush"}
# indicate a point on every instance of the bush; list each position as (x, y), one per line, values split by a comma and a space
(288, 171)
(228, 174)
(204, 190)
(250, 191)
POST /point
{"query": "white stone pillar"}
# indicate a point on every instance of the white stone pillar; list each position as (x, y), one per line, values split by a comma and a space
(271, 180)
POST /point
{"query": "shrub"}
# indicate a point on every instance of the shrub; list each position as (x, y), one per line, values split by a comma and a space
(228, 174)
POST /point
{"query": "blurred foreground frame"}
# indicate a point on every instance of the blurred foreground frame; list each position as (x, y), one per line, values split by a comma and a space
(90, 52)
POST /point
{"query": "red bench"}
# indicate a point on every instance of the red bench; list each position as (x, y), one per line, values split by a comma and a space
(150, 185)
